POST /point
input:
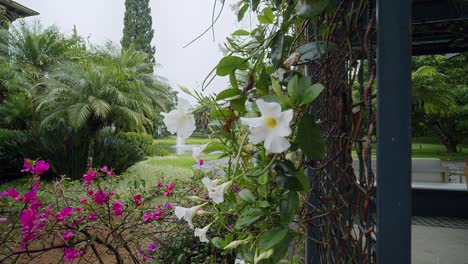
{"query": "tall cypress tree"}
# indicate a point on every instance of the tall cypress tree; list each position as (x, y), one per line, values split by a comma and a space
(138, 27)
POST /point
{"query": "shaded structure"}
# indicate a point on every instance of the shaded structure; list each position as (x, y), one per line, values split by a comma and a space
(366, 217)
(11, 10)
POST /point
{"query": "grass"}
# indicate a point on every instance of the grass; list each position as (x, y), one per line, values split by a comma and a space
(171, 141)
(421, 150)
(437, 151)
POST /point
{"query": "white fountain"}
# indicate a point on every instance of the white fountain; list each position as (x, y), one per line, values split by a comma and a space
(180, 145)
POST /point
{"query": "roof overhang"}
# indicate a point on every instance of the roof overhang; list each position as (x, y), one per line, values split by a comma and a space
(14, 10)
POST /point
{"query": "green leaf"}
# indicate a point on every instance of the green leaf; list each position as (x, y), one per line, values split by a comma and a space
(263, 255)
(217, 242)
(263, 178)
(262, 204)
(262, 82)
(230, 64)
(255, 4)
(311, 93)
(313, 50)
(241, 32)
(248, 217)
(311, 8)
(267, 16)
(242, 11)
(289, 202)
(292, 87)
(238, 104)
(281, 248)
(276, 87)
(276, 54)
(247, 196)
(310, 139)
(289, 178)
(221, 114)
(229, 94)
(185, 90)
(271, 238)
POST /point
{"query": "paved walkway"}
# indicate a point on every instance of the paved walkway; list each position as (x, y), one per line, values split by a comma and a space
(439, 241)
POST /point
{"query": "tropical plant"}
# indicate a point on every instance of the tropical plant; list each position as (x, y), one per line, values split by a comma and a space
(17, 112)
(440, 92)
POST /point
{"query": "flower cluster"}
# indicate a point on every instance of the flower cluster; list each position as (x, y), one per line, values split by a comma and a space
(73, 220)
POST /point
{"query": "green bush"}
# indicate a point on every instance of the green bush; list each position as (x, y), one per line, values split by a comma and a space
(158, 150)
(11, 162)
(142, 140)
(67, 151)
(116, 152)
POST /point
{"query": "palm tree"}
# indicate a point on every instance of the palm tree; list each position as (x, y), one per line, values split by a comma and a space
(114, 89)
(431, 93)
(17, 112)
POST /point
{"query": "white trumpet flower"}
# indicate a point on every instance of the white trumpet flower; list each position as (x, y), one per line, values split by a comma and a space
(187, 213)
(201, 233)
(215, 191)
(180, 120)
(271, 128)
(197, 153)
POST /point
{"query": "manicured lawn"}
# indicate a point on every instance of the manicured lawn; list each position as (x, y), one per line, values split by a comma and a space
(171, 140)
(432, 151)
(437, 151)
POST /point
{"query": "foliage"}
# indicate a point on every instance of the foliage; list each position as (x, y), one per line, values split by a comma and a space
(11, 161)
(141, 140)
(17, 112)
(138, 31)
(66, 149)
(116, 152)
(443, 86)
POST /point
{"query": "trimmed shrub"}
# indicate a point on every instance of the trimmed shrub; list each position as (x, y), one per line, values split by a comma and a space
(141, 140)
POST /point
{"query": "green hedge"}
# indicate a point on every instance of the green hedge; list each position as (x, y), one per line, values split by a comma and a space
(141, 140)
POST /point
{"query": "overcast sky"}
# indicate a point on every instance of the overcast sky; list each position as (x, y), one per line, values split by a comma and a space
(176, 22)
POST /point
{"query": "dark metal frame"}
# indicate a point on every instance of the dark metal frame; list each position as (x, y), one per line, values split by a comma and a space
(394, 131)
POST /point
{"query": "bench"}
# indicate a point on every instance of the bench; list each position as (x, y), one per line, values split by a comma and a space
(432, 194)
(422, 170)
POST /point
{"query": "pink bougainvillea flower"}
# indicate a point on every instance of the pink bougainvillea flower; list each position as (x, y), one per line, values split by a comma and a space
(40, 167)
(159, 205)
(36, 186)
(147, 216)
(168, 206)
(30, 197)
(27, 165)
(159, 184)
(90, 175)
(117, 208)
(207, 197)
(92, 216)
(147, 259)
(200, 162)
(104, 168)
(13, 193)
(3, 219)
(169, 189)
(152, 246)
(71, 254)
(28, 218)
(79, 209)
(112, 193)
(110, 173)
(67, 235)
(157, 214)
(137, 198)
(100, 197)
(83, 200)
(64, 213)
(81, 218)
(90, 192)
